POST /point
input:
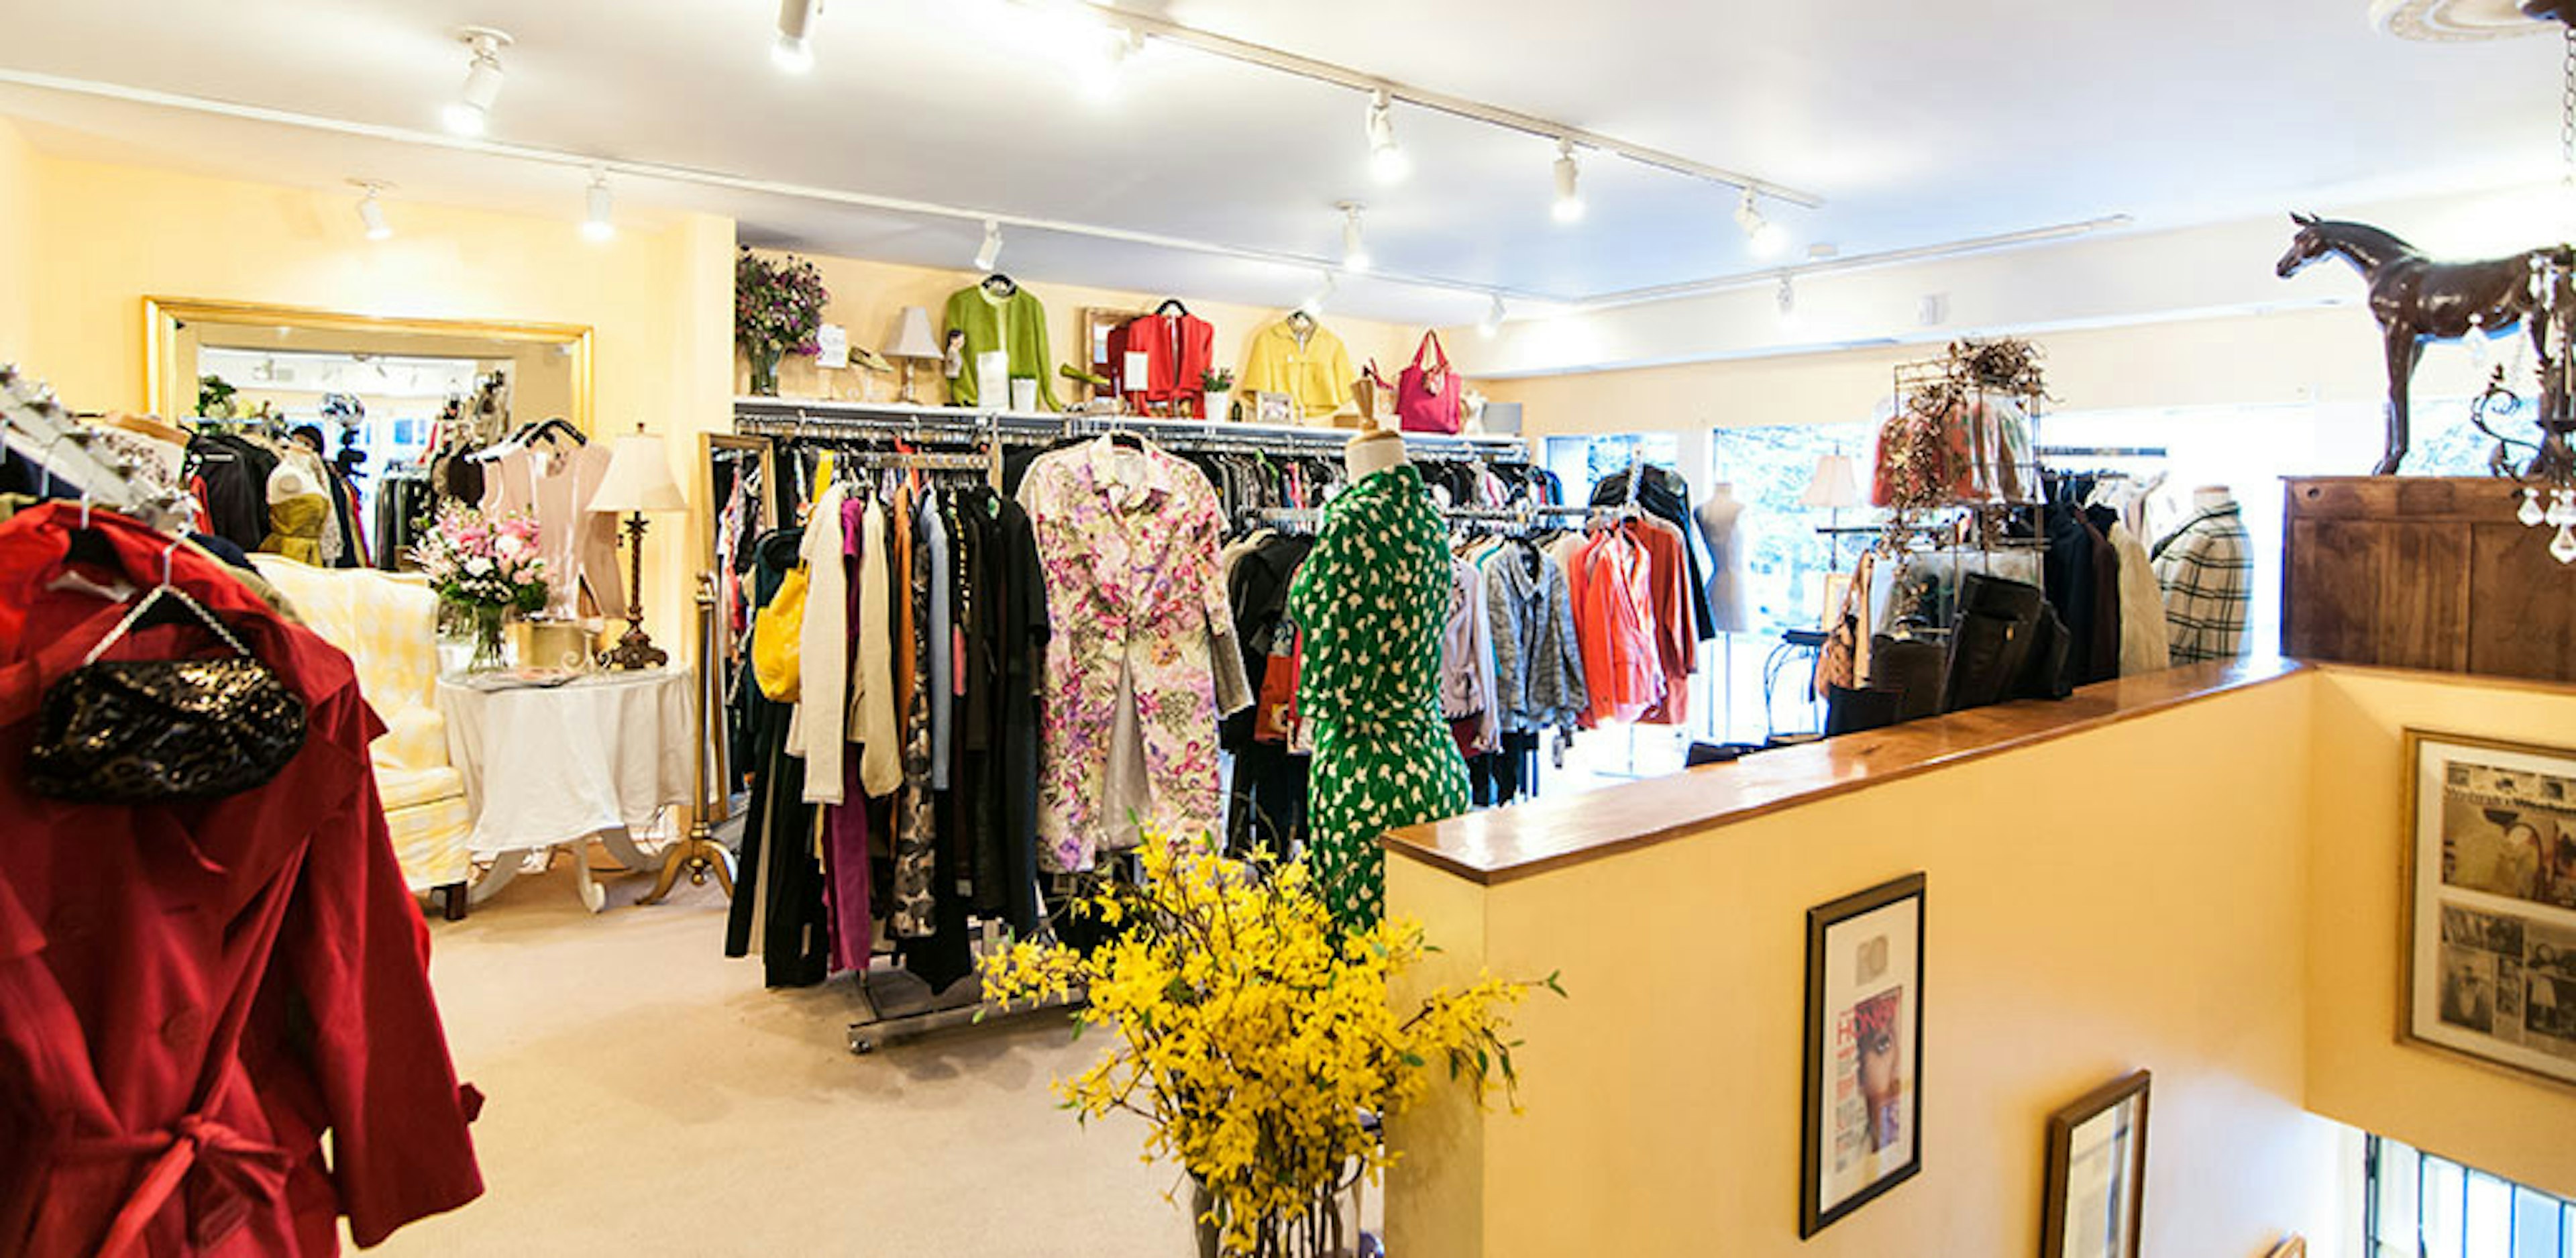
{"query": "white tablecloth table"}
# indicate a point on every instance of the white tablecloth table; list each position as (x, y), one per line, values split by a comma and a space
(552, 766)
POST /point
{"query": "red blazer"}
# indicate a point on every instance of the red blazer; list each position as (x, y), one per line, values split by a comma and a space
(191, 996)
(1178, 349)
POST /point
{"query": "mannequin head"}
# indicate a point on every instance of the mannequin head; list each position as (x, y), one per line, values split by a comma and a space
(1374, 450)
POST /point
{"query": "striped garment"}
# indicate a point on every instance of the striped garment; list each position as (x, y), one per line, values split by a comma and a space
(2207, 570)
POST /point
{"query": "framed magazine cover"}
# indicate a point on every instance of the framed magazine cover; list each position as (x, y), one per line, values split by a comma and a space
(2489, 939)
(1861, 1132)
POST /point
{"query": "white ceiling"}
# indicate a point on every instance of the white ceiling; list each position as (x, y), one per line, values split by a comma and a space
(1920, 123)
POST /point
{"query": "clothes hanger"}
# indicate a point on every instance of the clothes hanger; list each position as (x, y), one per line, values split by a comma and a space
(554, 426)
(1001, 285)
(1172, 305)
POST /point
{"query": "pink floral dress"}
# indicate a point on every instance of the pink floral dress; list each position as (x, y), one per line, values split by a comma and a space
(1128, 541)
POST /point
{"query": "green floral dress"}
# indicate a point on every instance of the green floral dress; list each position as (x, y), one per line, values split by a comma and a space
(1370, 601)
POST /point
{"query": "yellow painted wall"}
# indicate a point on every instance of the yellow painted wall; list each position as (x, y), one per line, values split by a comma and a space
(2357, 1071)
(867, 297)
(17, 244)
(111, 235)
(2316, 355)
(2085, 919)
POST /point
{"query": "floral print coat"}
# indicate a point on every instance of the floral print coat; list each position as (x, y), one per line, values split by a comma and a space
(1128, 540)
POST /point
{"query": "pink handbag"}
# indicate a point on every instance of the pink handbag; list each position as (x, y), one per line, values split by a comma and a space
(1427, 401)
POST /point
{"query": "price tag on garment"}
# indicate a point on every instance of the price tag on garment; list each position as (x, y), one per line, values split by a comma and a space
(993, 378)
(835, 342)
(1138, 371)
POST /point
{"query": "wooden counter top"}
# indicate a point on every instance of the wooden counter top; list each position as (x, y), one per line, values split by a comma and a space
(1502, 844)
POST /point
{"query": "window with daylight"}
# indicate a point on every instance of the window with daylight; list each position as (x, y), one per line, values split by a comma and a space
(2422, 1205)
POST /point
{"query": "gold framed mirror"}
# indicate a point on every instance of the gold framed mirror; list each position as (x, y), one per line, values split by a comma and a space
(292, 358)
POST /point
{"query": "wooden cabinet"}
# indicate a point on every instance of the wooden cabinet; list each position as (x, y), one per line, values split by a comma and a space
(2424, 572)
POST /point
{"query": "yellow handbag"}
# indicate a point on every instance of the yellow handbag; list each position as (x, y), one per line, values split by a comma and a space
(776, 662)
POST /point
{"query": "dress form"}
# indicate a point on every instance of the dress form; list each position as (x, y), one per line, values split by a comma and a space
(1373, 451)
(1717, 517)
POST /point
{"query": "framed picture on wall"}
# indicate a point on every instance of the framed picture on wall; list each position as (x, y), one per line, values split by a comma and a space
(2097, 1173)
(1097, 324)
(2490, 932)
(1862, 1129)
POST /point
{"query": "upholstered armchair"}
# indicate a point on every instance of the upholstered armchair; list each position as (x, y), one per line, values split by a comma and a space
(388, 625)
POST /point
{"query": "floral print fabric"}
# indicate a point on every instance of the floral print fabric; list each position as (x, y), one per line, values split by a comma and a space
(1128, 540)
(1372, 600)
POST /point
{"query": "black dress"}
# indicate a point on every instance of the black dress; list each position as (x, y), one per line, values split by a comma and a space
(777, 842)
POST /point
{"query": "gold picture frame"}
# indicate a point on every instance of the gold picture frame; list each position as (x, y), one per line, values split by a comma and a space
(166, 319)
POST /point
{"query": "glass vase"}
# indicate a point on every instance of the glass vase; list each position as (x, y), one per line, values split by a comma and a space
(491, 650)
(1327, 1228)
(764, 373)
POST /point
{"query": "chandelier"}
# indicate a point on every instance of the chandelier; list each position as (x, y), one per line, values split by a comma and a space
(2548, 470)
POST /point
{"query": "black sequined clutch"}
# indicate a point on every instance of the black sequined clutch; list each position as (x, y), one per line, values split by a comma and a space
(160, 731)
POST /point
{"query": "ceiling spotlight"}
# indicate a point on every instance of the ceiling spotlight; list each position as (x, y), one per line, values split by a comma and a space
(1569, 197)
(471, 111)
(1313, 306)
(1100, 64)
(1765, 237)
(1387, 160)
(371, 213)
(1493, 322)
(1787, 298)
(794, 51)
(1355, 254)
(991, 252)
(599, 224)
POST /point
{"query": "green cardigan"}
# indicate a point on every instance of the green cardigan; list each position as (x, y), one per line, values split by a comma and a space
(988, 324)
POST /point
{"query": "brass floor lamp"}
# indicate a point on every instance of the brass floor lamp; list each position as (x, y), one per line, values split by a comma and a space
(700, 855)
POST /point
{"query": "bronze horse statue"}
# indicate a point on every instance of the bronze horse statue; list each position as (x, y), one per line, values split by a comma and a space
(2417, 299)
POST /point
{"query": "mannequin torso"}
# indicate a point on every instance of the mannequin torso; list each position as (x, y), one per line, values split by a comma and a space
(1373, 451)
(1727, 576)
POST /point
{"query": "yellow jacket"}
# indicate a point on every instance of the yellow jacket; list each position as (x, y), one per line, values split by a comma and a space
(1316, 375)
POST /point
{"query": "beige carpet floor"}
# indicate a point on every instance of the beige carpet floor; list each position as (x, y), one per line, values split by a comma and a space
(649, 1096)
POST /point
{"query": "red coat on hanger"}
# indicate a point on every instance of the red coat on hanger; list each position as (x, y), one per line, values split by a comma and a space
(1178, 349)
(192, 995)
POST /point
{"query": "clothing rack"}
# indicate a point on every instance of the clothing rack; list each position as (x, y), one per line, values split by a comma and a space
(1311, 518)
(40, 430)
(775, 417)
(2101, 452)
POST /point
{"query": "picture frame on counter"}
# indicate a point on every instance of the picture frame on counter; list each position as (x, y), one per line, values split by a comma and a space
(2094, 1202)
(1274, 408)
(2489, 938)
(1860, 1133)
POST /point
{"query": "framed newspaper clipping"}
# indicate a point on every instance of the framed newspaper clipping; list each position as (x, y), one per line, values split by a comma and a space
(2490, 877)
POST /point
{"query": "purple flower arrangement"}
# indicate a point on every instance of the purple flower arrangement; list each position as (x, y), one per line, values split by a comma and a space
(777, 309)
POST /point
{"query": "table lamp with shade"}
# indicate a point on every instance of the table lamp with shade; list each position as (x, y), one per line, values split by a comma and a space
(1832, 487)
(638, 482)
(913, 342)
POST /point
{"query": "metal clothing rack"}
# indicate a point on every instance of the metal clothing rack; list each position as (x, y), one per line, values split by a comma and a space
(776, 417)
(1313, 517)
(939, 432)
